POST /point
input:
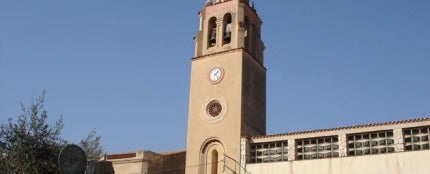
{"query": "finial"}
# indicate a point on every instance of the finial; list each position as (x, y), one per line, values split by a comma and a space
(208, 3)
(253, 4)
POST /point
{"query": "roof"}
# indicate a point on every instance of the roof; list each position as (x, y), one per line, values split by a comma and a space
(346, 127)
(172, 153)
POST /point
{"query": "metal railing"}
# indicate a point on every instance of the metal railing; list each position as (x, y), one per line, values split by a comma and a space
(236, 163)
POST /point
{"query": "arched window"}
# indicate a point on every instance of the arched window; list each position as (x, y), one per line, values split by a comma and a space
(227, 28)
(214, 169)
(212, 32)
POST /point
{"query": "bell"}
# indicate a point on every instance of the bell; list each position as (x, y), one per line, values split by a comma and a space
(227, 36)
(212, 39)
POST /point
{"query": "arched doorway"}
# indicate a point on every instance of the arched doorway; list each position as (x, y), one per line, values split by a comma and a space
(211, 157)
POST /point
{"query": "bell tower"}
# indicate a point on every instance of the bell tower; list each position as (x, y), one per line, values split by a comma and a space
(228, 86)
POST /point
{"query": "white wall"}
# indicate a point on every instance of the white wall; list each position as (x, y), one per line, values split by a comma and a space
(417, 162)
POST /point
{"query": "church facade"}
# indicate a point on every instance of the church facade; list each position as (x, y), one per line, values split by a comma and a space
(227, 117)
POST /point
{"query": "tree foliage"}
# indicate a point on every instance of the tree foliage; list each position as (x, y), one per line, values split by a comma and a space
(92, 146)
(29, 144)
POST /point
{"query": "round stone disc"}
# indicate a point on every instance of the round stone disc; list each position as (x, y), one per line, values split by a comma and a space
(72, 160)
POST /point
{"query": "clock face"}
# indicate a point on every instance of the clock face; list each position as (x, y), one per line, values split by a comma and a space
(216, 75)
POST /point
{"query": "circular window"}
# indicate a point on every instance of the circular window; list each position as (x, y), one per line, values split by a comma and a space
(214, 108)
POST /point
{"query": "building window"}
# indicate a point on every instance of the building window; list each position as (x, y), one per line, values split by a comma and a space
(317, 148)
(416, 138)
(269, 152)
(371, 143)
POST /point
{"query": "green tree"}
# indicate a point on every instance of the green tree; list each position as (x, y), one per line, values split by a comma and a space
(29, 144)
(92, 146)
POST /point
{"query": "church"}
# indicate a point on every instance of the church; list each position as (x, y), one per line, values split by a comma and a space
(227, 117)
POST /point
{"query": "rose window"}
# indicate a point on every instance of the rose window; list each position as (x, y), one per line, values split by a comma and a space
(214, 108)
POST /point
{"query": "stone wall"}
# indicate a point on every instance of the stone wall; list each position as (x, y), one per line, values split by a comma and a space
(147, 162)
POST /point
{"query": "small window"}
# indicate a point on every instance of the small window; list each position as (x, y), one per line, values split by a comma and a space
(269, 152)
(370, 143)
(416, 138)
(316, 148)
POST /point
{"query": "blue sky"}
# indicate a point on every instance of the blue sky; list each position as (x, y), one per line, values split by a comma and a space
(123, 67)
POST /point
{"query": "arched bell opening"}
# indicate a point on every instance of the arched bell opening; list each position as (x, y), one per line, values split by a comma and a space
(227, 28)
(212, 32)
(247, 38)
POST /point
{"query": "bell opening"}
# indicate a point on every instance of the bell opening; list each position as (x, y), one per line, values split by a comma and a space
(227, 28)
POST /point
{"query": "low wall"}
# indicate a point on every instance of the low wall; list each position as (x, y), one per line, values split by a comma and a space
(417, 162)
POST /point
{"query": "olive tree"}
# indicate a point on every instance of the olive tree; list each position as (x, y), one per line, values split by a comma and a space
(29, 144)
(92, 146)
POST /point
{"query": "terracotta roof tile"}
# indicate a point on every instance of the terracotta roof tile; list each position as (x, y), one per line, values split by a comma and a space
(346, 127)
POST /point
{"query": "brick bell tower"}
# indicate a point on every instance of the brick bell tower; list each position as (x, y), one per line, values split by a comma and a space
(228, 86)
